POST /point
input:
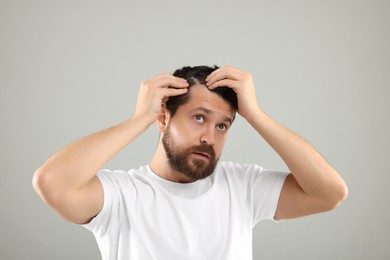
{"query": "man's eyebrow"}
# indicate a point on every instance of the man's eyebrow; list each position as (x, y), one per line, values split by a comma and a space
(208, 111)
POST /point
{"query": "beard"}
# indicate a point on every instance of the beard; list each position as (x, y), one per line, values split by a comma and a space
(181, 159)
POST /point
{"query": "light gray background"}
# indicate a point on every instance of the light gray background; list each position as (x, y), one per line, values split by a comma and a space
(321, 68)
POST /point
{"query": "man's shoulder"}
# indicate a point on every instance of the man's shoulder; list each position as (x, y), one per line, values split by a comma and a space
(234, 171)
(247, 174)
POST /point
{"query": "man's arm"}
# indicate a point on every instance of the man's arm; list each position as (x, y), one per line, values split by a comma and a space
(67, 181)
(313, 185)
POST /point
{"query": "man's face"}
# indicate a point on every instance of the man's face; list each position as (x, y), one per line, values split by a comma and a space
(195, 136)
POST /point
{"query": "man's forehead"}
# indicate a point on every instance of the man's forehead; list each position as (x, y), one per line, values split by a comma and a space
(202, 98)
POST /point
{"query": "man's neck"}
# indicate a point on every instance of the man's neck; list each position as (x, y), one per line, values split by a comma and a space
(160, 166)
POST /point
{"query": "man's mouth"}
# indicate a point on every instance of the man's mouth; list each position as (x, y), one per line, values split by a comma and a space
(203, 154)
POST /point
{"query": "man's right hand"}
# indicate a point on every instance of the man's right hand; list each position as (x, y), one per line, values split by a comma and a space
(155, 91)
(67, 181)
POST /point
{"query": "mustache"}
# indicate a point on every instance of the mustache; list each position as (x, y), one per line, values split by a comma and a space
(202, 148)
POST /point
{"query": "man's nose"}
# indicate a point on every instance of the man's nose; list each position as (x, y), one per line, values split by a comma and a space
(208, 136)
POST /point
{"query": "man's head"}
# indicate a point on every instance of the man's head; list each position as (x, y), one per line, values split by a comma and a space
(197, 75)
(195, 125)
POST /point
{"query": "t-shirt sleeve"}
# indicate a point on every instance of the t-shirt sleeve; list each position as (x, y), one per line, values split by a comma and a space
(262, 188)
(108, 217)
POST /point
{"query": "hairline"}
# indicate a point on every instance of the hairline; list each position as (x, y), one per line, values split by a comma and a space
(214, 92)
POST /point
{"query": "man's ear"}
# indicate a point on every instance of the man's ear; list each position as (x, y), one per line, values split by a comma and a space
(162, 119)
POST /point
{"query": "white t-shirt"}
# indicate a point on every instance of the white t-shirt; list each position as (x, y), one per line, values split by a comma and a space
(147, 217)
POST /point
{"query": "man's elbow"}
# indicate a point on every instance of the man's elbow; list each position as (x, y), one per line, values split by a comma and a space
(43, 184)
(338, 195)
(343, 194)
(39, 182)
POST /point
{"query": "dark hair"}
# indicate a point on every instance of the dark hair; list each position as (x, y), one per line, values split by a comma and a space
(197, 75)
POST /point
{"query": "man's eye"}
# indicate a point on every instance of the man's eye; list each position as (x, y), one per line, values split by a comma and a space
(199, 118)
(222, 127)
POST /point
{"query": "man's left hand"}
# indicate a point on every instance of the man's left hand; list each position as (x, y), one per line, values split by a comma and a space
(241, 82)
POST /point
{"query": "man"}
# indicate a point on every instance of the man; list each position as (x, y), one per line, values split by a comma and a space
(185, 204)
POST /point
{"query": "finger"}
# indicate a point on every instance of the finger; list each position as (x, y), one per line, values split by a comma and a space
(170, 92)
(225, 73)
(233, 84)
(167, 80)
(224, 68)
(222, 76)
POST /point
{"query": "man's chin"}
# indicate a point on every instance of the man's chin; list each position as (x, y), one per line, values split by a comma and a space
(202, 172)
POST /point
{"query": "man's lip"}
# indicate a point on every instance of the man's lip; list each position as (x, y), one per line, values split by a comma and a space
(203, 153)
